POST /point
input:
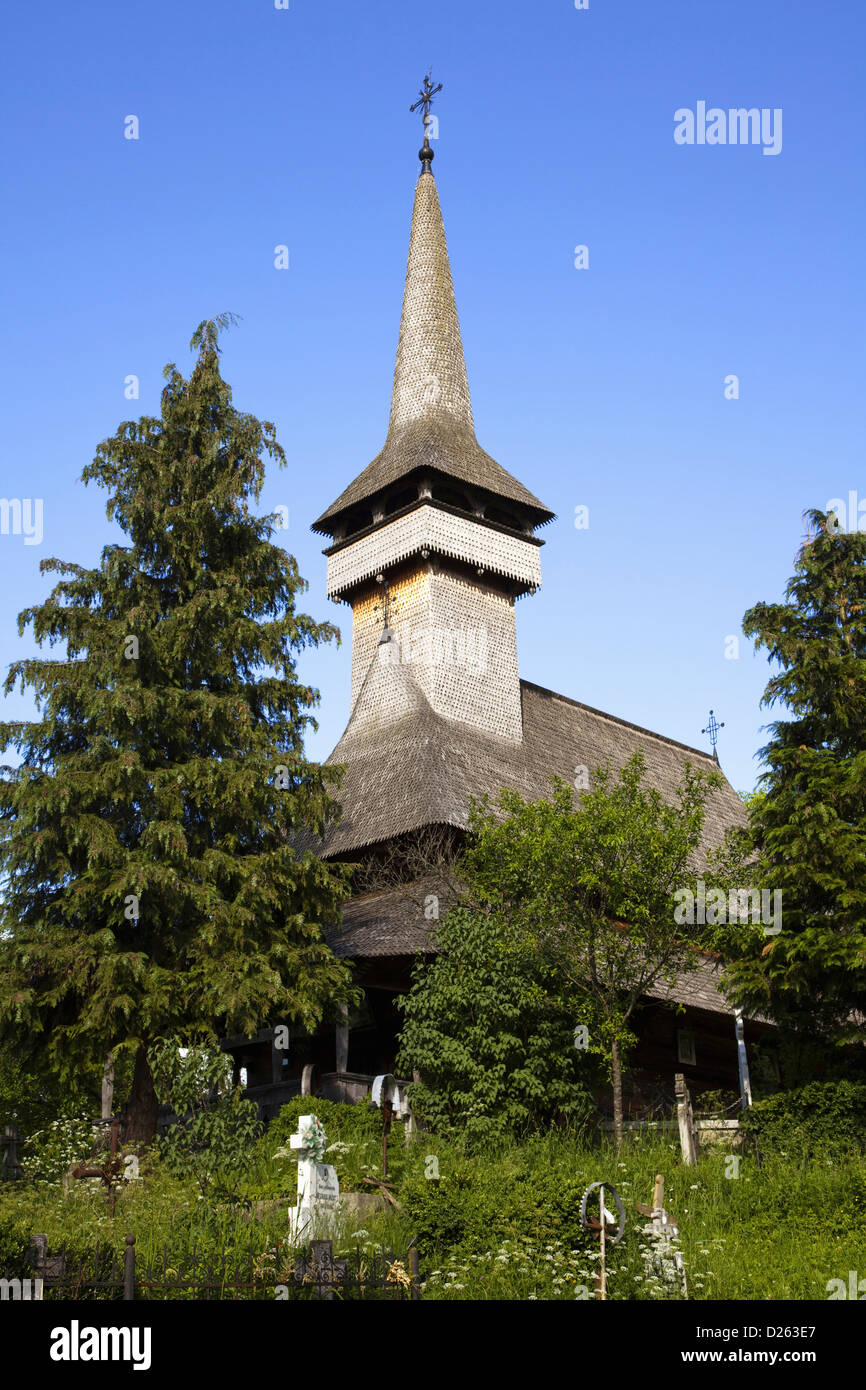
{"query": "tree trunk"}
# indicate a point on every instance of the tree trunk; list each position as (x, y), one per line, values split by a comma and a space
(616, 1074)
(140, 1124)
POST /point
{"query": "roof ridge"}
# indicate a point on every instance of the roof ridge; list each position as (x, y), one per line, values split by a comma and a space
(624, 723)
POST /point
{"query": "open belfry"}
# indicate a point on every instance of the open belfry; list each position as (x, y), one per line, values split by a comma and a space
(431, 546)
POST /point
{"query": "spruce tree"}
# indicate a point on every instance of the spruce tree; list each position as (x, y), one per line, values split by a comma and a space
(152, 882)
(808, 824)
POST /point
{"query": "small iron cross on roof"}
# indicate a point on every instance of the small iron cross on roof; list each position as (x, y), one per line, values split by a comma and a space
(426, 95)
(713, 730)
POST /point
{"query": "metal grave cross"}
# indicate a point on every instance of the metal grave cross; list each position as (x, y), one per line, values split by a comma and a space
(610, 1228)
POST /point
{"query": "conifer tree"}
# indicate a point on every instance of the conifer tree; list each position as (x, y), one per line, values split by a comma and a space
(152, 883)
(808, 825)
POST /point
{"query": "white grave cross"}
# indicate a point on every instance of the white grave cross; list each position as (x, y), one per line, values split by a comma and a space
(318, 1188)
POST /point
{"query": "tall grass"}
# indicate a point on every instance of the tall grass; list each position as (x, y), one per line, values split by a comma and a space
(505, 1224)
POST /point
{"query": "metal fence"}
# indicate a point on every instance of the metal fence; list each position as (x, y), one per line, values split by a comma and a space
(280, 1274)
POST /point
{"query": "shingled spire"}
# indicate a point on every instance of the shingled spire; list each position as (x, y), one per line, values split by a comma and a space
(430, 383)
(431, 425)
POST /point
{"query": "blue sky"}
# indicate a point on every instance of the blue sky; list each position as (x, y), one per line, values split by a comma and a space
(602, 387)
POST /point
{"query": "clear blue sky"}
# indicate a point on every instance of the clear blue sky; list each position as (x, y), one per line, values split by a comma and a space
(602, 387)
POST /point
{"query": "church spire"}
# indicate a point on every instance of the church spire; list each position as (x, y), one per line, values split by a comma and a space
(430, 382)
(431, 433)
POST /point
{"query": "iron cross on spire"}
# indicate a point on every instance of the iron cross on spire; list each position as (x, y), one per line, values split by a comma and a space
(426, 95)
(425, 99)
(713, 730)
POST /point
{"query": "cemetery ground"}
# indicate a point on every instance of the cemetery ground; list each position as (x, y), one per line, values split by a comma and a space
(497, 1225)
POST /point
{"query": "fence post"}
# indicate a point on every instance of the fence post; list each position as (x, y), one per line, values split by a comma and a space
(414, 1280)
(688, 1138)
(129, 1270)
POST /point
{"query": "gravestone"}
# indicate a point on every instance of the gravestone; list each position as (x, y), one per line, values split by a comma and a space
(315, 1213)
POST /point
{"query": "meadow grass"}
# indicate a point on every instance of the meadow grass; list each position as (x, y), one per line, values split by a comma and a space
(504, 1225)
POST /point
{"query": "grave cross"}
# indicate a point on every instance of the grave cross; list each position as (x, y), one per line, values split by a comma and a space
(109, 1172)
(386, 1095)
(610, 1228)
(666, 1258)
(318, 1188)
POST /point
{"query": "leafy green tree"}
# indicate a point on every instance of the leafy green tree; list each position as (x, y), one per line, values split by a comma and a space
(486, 1027)
(807, 829)
(587, 892)
(214, 1137)
(150, 883)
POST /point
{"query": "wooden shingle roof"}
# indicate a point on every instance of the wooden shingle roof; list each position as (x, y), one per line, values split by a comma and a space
(423, 769)
(392, 922)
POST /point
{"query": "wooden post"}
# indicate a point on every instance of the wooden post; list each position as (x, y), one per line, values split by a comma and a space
(129, 1270)
(11, 1163)
(415, 1282)
(39, 1253)
(685, 1120)
(603, 1218)
(387, 1112)
(108, 1086)
(342, 1039)
(743, 1063)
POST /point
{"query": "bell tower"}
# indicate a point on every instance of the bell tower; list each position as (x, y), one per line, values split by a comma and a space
(434, 541)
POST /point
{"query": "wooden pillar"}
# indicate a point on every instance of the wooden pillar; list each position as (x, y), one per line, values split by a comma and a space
(343, 1039)
(743, 1064)
(108, 1086)
(11, 1171)
(688, 1142)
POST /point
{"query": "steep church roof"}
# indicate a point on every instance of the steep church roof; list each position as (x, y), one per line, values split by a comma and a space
(422, 769)
(431, 425)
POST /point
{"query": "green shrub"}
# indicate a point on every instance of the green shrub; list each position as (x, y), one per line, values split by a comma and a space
(822, 1116)
(15, 1233)
(31, 1096)
(486, 1026)
(354, 1135)
(342, 1123)
(501, 1225)
(513, 1193)
(216, 1129)
(48, 1153)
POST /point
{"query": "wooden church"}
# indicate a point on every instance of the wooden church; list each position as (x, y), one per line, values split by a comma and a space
(431, 546)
